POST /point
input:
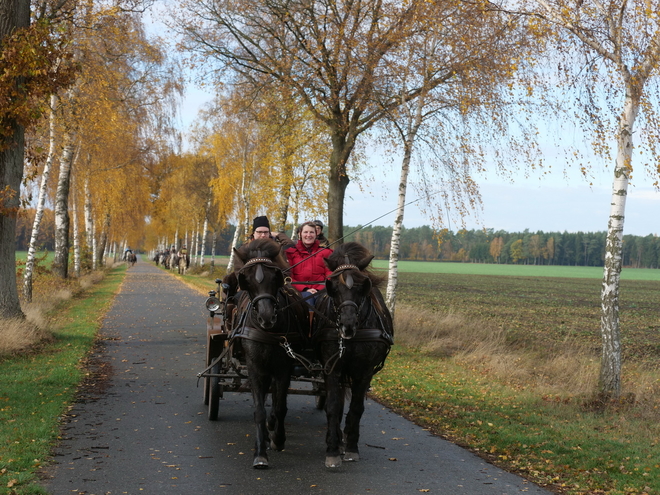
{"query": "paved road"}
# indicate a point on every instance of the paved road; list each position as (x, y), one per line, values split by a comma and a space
(144, 430)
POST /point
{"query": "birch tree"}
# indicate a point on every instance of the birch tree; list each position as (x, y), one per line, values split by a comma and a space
(453, 125)
(41, 201)
(612, 49)
(334, 56)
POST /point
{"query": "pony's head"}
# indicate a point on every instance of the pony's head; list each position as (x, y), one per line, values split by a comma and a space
(259, 267)
(350, 285)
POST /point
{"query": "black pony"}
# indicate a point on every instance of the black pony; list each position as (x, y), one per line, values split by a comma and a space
(270, 324)
(352, 340)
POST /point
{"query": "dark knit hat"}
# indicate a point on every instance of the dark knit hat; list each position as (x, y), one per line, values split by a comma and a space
(319, 223)
(260, 222)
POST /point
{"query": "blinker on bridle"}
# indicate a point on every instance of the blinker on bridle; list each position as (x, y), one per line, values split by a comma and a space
(259, 277)
(348, 278)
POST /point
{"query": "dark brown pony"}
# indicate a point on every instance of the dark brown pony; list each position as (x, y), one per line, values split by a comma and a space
(352, 340)
(269, 317)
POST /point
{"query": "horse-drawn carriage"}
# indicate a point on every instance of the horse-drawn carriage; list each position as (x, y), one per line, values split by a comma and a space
(259, 339)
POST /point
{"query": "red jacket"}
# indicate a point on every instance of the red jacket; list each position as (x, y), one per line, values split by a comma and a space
(312, 269)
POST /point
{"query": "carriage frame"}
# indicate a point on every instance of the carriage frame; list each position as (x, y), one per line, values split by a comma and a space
(226, 370)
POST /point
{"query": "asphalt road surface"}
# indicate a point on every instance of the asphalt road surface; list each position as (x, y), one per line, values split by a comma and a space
(144, 429)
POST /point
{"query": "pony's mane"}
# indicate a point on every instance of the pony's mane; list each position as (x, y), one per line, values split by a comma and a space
(354, 253)
(261, 248)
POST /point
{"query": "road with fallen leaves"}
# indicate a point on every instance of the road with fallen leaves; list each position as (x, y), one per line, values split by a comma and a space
(140, 425)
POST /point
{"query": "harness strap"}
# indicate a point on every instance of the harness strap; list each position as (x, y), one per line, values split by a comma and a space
(329, 334)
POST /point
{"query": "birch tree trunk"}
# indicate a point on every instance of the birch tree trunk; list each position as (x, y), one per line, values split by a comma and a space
(103, 242)
(41, 201)
(214, 242)
(195, 243)
(610, 370)
(93, 248)
(207, 212)
(412, 128)
(88, 254)
(393, 270)
(76, 238)
(61, 261)
(234, 244)
(202, 246)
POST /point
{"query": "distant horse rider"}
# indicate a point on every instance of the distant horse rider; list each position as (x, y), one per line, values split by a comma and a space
(183, 253)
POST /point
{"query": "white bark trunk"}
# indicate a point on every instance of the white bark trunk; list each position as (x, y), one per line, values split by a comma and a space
(76, 239)
(94, 265)
(610, 371)
(214, 242)
(202, 246)
(41, 201)
(89, 221)
(100, 254)
(412, 128)
(234, 244)
(393, 273)
(195, 242)
(61, 261)
(207, 212)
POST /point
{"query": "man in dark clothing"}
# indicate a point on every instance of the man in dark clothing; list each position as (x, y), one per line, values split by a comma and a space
(261, 230)
(323, 242)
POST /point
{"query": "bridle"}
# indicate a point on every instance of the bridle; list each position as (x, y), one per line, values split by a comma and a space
(348, 280)
(259, 277)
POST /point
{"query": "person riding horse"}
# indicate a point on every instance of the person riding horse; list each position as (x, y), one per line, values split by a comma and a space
(183, 253)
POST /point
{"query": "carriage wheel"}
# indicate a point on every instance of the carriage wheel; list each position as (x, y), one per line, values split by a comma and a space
(215, 393)
(207, 387)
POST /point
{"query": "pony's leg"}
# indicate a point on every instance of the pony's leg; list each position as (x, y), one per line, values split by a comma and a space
(334, 408)
(355, 411)
(278, 412)
(260, 385)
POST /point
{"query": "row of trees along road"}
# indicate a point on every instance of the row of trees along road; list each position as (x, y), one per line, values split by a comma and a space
(456, 86)
(425, 244)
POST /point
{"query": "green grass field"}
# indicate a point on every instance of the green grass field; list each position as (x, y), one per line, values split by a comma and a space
(22, 256)
(517, 270)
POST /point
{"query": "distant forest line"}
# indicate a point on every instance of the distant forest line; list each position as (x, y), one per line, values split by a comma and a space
(490, 246)
(468, 246)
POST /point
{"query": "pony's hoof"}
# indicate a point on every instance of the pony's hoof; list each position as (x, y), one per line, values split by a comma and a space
(333, 462)
(274, 446)
(351, 456)
(260, 462)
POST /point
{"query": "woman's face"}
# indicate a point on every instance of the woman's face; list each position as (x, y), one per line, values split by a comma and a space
(308, 235)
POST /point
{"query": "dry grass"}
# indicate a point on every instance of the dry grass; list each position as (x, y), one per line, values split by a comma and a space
(22, 334)
(565, 373)
(19, 335)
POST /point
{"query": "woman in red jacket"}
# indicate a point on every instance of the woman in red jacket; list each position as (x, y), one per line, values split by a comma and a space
(306, 261)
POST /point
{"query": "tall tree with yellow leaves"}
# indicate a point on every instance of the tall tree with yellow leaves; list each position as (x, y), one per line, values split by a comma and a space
(31, 68)
(333, 55)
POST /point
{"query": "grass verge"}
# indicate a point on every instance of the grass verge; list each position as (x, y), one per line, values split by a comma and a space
(550, 442)
(37, 387)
